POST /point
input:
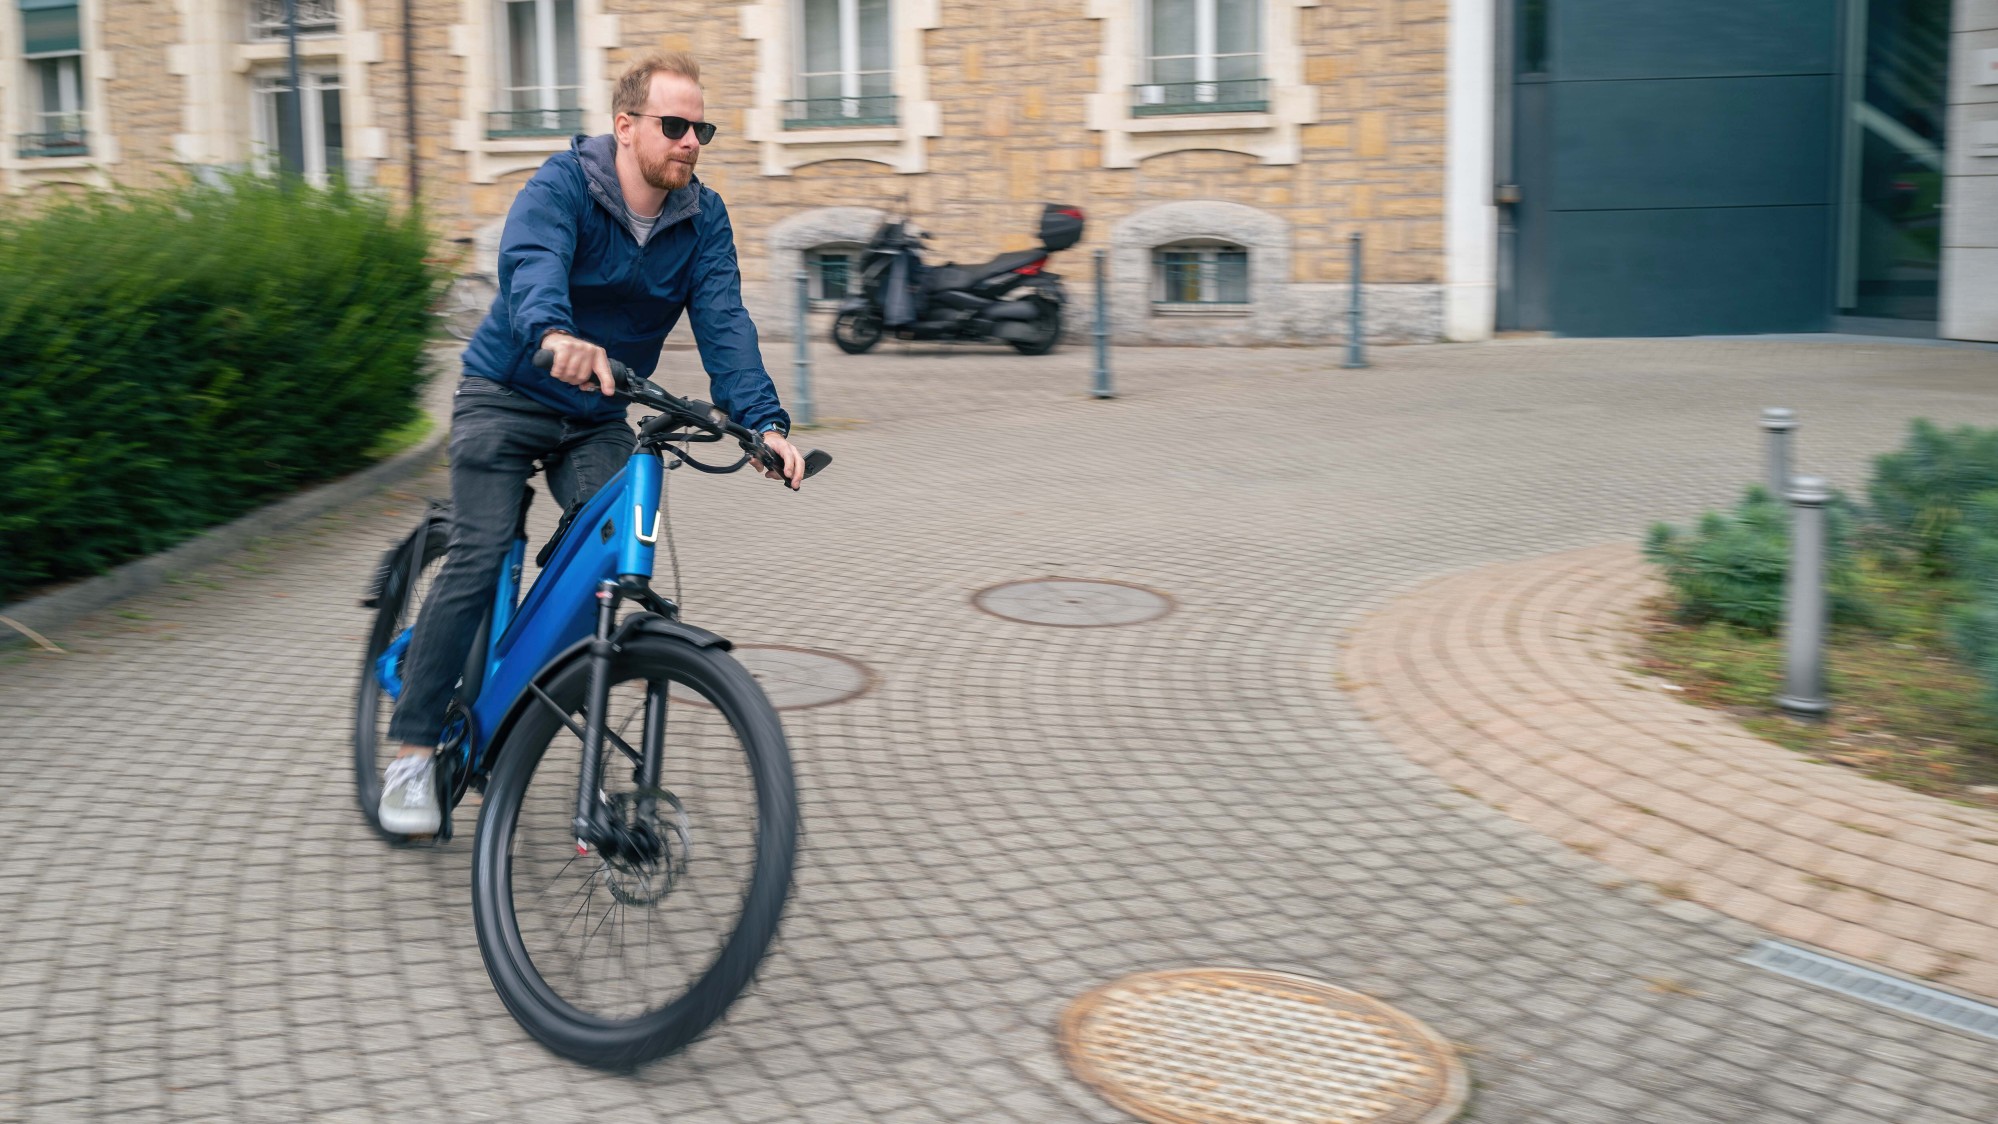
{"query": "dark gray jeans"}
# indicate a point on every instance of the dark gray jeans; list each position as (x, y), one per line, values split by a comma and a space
(496, 436)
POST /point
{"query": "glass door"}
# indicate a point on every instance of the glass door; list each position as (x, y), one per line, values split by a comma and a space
(1896, 87)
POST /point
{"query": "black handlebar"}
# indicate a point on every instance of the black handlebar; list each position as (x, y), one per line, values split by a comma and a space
(680, 413)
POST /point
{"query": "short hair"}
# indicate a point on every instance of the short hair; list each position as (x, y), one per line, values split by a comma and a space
(634, 86)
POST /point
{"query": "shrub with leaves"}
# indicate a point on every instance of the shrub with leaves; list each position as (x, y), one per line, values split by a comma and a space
(1731, 566)
(172, 359)
(1922, 492)
(1970, 552)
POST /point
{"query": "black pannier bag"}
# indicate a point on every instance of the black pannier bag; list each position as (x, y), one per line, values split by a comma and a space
(1061, 226)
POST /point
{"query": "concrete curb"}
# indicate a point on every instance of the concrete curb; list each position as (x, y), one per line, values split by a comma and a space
(53, 610)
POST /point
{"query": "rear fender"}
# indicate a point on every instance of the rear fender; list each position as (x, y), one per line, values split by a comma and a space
(399, 562)
(1047, 286)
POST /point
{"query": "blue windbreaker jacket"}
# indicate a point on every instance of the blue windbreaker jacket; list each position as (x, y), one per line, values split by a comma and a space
(568, 260)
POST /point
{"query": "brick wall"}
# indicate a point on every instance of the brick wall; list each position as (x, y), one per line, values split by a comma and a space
(142, 99)
(1012, 79)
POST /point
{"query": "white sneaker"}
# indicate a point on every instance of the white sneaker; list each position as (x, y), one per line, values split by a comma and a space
(409, 796)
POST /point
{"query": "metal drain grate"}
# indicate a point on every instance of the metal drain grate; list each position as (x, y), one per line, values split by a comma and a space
(1214, 1045)
(1877, 988)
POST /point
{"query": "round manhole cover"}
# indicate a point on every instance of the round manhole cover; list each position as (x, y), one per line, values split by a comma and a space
(1072, 603)
(1211, 1045)
(794, 678)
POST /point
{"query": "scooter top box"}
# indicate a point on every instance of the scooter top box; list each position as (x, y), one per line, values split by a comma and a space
(1061, 226)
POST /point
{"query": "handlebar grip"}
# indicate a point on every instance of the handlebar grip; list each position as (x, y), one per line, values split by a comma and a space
(814, 461)
(621, 374)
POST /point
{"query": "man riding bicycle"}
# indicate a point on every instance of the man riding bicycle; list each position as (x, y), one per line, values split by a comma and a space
(603, 250)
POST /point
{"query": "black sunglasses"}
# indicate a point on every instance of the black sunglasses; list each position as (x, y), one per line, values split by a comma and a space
(676, 127)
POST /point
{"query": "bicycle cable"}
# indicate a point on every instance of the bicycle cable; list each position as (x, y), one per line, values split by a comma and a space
(666, 517)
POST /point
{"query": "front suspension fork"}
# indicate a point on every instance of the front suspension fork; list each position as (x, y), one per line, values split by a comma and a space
(592, 816)
(592, 823)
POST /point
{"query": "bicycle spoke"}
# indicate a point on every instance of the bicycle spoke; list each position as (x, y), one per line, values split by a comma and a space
(607, 966)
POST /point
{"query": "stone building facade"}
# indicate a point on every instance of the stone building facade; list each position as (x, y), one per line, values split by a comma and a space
(1224, 150)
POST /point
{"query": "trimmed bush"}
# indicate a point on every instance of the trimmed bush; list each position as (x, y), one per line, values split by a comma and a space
(1970, 550)
(172, 359)
(1731, 566)
(1921, 492)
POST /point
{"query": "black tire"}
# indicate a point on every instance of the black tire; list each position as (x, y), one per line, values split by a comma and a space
(1047, 329)
(400, 600)
(466, 304)
(856, 331)
(525, 831)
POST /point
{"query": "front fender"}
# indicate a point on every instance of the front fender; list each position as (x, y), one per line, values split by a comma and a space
(858, 302)
(637, 623)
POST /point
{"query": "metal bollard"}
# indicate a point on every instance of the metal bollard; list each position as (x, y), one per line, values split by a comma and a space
(801, 402)
(1100, 377)
(1806, 611)
(1779, 422)
(1356, 329)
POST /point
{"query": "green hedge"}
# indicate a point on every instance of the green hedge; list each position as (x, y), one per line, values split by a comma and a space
(172, 359)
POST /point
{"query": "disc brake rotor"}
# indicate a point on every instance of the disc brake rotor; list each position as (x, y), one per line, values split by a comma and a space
(657, 818)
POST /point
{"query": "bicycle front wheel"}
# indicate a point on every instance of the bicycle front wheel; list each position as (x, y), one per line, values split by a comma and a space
(618, 961)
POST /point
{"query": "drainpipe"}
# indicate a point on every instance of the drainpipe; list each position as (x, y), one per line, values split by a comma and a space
(294, 109)
(409, 101)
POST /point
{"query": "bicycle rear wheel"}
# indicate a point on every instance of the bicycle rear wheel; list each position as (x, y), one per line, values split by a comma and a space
(616, 962)
(395, 613)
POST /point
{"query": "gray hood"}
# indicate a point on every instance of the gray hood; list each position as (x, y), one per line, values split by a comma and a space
(598, 157)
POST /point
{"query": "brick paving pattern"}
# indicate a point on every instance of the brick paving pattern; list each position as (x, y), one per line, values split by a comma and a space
(200, 928)
(1513, 682)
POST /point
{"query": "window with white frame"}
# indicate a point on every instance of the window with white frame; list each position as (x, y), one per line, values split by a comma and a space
(52, 43)
(845, 76)
(321, 149)
(315, 17)
(1200, 273)
(1203, 56)
(540, 70)
(834, 269)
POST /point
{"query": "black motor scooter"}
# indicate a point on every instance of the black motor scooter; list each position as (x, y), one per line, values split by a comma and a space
(1011, 298)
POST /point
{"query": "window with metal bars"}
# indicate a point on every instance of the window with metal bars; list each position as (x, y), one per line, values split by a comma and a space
(834, 270)
(540, 69)
(845, 73)
(315, 17)
(52, 43)
(1200, 274)
(1203, 56)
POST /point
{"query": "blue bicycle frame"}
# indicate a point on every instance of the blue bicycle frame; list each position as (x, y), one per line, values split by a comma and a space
(610, 540)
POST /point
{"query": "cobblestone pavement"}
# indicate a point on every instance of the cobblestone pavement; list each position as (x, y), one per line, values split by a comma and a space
(1514, 681)
(199, 927)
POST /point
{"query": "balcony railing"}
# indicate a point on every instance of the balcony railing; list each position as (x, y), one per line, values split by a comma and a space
(315, 17)
(56, 142)
(835, 113)
(1225, 95)
(502, 123)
